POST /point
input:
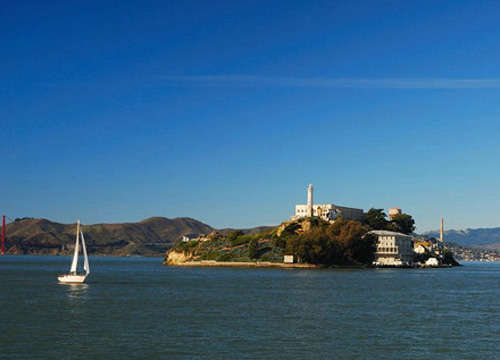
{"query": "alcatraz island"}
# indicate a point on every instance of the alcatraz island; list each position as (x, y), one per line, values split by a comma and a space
(318, 235)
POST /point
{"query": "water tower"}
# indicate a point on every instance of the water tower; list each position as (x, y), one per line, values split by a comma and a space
(394, 211)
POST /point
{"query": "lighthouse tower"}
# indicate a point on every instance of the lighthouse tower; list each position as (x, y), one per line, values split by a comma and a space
(310, 200)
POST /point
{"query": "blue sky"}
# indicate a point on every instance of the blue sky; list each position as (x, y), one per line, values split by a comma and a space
(225, 111)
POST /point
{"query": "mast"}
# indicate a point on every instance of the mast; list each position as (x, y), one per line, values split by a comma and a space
(86, 266)
(74, 263)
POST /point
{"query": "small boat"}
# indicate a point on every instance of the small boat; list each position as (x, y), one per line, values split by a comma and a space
(73, 277)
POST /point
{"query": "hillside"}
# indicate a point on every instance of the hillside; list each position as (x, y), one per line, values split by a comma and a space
(249, 231)
(487, 238)
(310, 240)
(150, 237)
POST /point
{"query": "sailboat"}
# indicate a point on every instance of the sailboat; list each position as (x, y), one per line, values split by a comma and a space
(73, 277)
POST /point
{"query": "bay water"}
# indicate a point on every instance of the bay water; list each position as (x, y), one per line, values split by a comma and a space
(135, 308)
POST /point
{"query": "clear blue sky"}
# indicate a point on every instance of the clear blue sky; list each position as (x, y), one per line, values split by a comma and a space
(224, 111)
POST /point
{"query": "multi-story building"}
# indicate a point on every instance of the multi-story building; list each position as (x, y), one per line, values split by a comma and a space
(330, 212)
(326, 211)
(393, 248)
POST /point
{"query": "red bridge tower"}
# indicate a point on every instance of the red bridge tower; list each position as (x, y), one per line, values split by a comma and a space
(3, 235)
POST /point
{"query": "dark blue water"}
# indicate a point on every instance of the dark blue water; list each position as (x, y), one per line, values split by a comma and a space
(135, 308)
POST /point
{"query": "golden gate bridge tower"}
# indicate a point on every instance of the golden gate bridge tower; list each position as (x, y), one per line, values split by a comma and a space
(2, 249)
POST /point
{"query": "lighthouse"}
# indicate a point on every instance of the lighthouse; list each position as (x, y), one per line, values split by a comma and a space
(310, 200)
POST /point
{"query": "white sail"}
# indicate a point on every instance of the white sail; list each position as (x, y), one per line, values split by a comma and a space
(85, 257)
(74, 264)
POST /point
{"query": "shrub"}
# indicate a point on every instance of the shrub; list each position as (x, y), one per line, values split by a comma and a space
(234, 235)
(243, 239)
(225, 257)
(182, 246)
(253, 248)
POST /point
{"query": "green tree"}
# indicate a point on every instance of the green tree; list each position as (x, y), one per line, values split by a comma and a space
(343, 242)
(376, 219)
(279, 241)
(291, 229)
(403, 223)
(309, 247)
(234, 235)
(363, 248)
(355, 246)
(253, 248)
(448, 258)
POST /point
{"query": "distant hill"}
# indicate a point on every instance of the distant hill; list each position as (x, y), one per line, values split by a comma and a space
(487, 238)
(150, 237)
(249, 231)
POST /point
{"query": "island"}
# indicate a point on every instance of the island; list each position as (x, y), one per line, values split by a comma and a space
(319, 235)
(308, 242)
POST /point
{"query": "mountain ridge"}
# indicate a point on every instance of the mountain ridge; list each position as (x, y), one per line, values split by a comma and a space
(149, 237)
(487, 238)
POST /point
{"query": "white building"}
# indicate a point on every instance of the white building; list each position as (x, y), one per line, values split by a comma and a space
(329, 212)
(189, 237)
(432, 262)
(325, 211)
(419, 249)
(393, 248)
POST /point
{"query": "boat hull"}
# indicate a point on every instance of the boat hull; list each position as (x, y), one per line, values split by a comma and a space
(71, 279)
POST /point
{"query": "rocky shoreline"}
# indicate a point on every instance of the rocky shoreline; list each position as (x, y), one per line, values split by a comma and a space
(243, 264)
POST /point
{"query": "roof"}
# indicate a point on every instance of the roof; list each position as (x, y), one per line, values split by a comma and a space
(387, 233)
(423, 243)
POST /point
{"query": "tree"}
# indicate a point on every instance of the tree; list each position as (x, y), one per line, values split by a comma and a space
(376, 219)
(279, 241)
(312, 246)
(355, 245)
(234, 235)
(363, 248)
(343, 242)
(291, 228)
(403, 223)
(253, 248)
(448, 258)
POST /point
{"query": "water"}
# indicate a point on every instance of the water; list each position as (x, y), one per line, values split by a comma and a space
(134, 308)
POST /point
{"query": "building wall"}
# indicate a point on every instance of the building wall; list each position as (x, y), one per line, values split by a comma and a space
(330, 212)
(350, 213)
(325, 211)
(394, 250)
